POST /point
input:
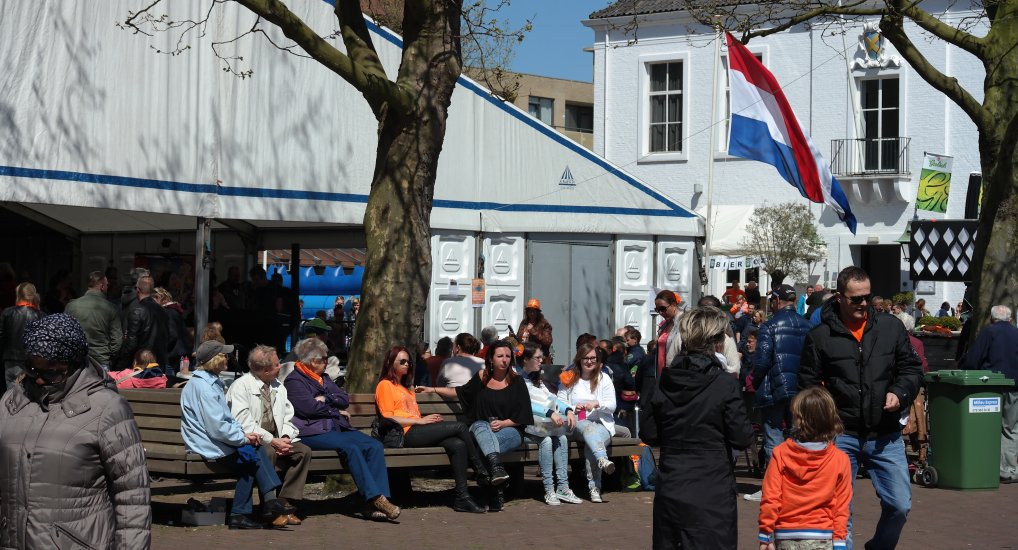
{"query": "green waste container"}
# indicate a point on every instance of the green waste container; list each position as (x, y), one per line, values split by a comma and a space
(965, 408)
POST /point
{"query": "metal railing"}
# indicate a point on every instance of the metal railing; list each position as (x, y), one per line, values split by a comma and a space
(869, 156)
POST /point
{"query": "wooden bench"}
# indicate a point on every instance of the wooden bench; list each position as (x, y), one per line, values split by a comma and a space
(157, 413)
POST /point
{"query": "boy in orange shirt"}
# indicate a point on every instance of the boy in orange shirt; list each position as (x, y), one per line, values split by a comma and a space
(808, 485)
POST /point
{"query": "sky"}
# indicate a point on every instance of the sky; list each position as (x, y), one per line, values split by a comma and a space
(555, 46)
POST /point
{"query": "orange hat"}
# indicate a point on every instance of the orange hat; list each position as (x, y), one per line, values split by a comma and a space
(678, 299)
(534, 303)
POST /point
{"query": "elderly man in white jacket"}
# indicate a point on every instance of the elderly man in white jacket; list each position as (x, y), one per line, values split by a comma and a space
(259, 402)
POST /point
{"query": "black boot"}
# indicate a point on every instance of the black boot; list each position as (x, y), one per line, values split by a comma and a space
(464, 503)
(497, 500)
(498, 473)
(481, 475)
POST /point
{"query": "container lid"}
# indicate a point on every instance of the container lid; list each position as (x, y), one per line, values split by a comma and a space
(968, 378)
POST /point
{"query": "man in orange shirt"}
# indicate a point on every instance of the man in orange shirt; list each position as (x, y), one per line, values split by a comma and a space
(864, 358)
(733, 293)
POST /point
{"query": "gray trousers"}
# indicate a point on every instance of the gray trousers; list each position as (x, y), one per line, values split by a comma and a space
(804, 545)
(295, 470)
(1009, 436)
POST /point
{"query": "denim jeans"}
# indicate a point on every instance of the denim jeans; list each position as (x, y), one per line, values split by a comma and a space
(501, 442)
(595, 437)
(363, 455)
(774, 422)
(261, 473)
(885, 461)
(553, 457)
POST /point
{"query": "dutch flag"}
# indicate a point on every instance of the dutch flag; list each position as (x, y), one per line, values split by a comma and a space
(764, 128)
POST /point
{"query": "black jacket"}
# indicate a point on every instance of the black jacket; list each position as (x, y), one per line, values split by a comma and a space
(859, 375)
(696, 415)
(12, 327)
(148, 327)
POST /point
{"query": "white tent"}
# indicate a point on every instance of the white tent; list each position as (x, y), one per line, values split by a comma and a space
(95, 117)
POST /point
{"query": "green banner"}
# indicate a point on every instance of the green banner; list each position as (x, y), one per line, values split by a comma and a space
(934, 183)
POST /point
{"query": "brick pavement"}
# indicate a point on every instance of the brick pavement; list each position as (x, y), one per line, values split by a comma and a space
(940, 520)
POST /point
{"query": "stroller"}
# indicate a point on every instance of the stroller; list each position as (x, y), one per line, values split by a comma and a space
(917, 432)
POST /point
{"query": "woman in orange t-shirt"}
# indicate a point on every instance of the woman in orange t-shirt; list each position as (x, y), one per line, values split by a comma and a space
(396, 401)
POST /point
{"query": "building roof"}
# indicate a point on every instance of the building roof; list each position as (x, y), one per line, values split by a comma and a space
(638, 7)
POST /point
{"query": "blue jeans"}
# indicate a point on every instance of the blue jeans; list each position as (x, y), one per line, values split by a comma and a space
(553, 458)
(250, 474)
(885, 461)
(595, 437)
(363, 455)
(773, 420)
(501, 442)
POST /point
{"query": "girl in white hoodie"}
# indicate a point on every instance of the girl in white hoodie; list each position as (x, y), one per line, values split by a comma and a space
(553, 419)
(591, 393)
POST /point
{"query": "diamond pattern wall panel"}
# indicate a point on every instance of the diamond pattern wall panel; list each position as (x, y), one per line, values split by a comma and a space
(942, 250)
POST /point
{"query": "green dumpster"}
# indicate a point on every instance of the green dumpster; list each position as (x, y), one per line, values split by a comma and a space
(965, 408)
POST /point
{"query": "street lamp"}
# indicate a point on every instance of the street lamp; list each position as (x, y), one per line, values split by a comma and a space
(905, 240)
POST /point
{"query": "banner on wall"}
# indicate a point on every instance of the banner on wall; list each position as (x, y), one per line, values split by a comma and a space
(725, 263)
(934, 183)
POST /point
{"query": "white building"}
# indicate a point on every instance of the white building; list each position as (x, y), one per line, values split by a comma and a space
(872, 121)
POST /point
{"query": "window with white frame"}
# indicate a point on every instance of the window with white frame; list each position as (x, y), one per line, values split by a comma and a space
(664, 124)
(541, 108)
(879, 107)
(725, 114)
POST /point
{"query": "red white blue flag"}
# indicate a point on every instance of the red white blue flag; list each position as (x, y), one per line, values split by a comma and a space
(764, 128)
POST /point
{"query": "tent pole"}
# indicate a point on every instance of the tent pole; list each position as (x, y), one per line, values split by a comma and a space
(710, 155)
(295, 288)
(203, 253)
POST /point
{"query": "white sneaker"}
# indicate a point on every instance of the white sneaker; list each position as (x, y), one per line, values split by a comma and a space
(551, 499)
(606, 466)
(567, 495)
(595, 495)
(755, 497)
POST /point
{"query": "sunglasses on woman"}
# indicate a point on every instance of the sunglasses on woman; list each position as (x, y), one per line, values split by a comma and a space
(404, 361)
(661, 309)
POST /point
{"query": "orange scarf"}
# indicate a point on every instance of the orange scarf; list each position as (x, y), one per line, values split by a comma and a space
(28, 304)
(309, 373)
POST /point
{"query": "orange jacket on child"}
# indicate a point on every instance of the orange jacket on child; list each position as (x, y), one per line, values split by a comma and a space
(806, 493)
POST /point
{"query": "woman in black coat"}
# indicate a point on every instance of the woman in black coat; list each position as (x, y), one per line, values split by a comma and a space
(696, 416)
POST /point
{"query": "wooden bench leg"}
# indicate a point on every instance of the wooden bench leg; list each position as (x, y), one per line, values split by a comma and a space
(399, 482)
(516, 481)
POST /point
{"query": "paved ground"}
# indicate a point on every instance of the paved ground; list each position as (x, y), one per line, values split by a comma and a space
(940, 520)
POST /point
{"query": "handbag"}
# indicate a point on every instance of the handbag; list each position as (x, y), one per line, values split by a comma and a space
(388, 431)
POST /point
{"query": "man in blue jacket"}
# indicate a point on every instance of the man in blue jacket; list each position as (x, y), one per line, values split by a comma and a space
(776, 368)
(996, 349)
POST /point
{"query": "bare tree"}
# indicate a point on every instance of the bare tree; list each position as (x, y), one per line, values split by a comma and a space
(785, 237)
(411, 109)
(996, 116)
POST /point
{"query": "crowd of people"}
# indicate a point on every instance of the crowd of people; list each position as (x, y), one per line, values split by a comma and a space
(829, 388)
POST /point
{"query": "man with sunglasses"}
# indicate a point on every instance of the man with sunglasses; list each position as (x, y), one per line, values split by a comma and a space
(864, 358)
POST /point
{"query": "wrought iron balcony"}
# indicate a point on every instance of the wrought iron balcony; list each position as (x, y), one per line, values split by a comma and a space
(870, 157)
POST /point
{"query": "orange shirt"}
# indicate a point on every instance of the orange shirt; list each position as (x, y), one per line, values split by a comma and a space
(857, 327)
(394, 400)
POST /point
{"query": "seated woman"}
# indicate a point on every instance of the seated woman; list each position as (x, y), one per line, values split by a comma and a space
(591, 393)
(145, 373)
(396, 401)
(209, 429)
(324, 424)
(497, 405)
(552, 418)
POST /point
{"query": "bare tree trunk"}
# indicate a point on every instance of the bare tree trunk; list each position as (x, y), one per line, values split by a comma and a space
(397, 269)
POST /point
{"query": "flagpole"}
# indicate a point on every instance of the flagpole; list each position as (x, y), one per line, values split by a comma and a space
(710, 154)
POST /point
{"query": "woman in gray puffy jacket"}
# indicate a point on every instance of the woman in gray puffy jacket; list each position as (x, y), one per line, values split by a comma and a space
(72, 466)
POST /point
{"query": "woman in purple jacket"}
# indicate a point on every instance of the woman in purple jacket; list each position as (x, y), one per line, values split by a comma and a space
(324, 424)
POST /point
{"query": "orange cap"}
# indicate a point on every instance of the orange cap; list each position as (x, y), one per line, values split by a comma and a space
(678, 299)
(534, 303)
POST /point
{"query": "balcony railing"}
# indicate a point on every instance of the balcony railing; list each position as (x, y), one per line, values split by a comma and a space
(870, 156)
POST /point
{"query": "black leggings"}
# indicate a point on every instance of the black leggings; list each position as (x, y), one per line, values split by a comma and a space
(454, 437)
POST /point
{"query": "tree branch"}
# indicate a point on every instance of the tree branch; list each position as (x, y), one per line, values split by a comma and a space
(360, 48)
(972, 44)
(891, 26)
(376, 88)
(822, 11)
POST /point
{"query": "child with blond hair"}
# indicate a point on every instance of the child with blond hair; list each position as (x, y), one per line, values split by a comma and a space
(808, 485)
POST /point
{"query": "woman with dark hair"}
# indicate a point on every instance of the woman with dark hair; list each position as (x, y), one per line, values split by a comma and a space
(592, 393)
(397, 402)
(553, 417)
(497, 405)
(13, 322)
(669, 342)
(695, 414)
(463, 365)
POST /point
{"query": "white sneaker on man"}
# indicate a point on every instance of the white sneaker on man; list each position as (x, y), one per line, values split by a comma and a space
(755, 497)
(595, 495)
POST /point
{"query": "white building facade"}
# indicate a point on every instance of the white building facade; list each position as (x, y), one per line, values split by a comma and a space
(872, 119)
